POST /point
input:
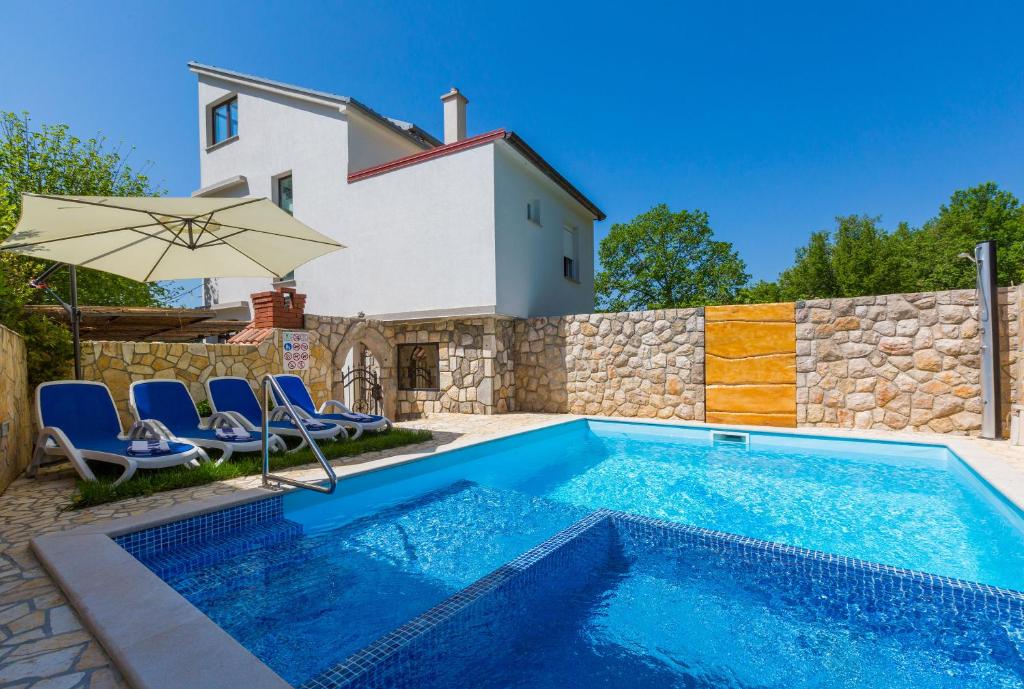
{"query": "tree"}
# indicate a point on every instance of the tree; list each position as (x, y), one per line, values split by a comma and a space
(857, 258)
(662, 259)
(811, 274)
(49, 160)
(972, 215)
(760, 292)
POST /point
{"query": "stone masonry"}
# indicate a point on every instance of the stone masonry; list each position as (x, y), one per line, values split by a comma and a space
(118, 364)
(647, 364)
(902, 361)
(16, 436)
(474, 361)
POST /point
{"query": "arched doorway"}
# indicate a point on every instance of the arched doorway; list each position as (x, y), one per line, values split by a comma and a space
(363, 359)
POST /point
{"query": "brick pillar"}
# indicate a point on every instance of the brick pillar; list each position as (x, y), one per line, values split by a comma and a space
(281, 308)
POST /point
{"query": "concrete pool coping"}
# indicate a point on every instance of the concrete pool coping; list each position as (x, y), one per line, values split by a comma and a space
(158, 640)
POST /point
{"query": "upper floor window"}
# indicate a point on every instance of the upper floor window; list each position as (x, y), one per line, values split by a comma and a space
(570, 251)
(225, 120)
(533, 211)
(283, 192)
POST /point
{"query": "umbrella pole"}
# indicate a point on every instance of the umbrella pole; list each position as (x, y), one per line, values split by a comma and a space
(76, 318)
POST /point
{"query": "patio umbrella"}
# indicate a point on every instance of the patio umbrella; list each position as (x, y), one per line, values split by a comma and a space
(156, 238)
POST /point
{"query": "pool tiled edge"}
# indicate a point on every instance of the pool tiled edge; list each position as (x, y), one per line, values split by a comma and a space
(109, 588)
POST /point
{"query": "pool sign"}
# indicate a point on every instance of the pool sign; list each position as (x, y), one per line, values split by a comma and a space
(296, 351)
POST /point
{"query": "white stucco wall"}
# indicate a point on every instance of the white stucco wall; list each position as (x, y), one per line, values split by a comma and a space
(370, 144)
(445, 236)
(278, 135)
(422, 237)
(530, 281)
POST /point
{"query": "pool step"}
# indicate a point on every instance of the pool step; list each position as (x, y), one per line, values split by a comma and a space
(189, 557)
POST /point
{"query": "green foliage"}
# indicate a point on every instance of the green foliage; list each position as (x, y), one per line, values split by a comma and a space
(147, 482)
(662, 259)
(859, 257)
(760, 292)
(973, 215)
(50, 160)
(204, 409)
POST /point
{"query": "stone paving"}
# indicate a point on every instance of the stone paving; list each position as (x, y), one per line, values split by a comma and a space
(42, 643)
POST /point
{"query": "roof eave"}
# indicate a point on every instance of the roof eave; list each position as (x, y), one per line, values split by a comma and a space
(414, 134)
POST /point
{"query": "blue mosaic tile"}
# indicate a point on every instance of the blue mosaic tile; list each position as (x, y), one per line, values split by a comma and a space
(826, 584)
(194, 531)
(183, 559)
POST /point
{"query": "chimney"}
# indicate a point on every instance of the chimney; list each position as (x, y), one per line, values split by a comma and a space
(454, 116)
(280, 308)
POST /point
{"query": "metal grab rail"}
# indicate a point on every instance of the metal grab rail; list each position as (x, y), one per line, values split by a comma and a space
(268, 383)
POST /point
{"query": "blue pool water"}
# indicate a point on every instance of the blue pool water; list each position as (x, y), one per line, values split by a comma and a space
(627, 602)
(389, 545)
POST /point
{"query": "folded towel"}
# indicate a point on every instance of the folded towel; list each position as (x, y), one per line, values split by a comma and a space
(235, 433)
(311, 425)
(148, 448)
(357, 417)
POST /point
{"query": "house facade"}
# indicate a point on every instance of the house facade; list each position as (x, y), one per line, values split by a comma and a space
(464, 227)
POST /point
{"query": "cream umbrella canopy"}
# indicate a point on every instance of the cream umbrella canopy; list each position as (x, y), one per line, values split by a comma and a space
(156, 238)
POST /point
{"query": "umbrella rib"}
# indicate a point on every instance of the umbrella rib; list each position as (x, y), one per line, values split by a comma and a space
(278, 234)
(217, 241)
(141, 210)
(252, 259)
(128, 228)
(164, 253)
(120, 248)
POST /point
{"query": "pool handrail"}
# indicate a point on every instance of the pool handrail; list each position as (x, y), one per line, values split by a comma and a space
(269, 383)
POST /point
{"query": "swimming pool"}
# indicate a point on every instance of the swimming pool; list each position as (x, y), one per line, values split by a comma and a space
(390, 545)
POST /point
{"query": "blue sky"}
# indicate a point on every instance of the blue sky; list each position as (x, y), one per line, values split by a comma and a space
(773, 117)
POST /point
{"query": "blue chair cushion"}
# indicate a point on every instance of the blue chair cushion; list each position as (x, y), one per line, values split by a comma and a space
(84, 411)
(167, 401)
(295, 389)
(229, 394)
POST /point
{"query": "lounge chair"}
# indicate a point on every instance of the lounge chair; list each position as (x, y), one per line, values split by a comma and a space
(170, 405)
(78, 420)
(233, 395)
(298, 394)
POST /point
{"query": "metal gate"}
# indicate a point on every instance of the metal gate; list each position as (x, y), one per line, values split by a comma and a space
(362, 386)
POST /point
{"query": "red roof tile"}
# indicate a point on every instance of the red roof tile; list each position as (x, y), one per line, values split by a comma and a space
(251, 335)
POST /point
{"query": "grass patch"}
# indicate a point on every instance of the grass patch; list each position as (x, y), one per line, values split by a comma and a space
(149, 481)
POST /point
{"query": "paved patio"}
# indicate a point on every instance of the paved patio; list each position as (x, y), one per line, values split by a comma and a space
(42, 643)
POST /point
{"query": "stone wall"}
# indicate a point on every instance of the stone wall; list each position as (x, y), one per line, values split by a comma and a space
(118, 364)
(474, 359)
(640, 364)
(900, 362)
(16, 423)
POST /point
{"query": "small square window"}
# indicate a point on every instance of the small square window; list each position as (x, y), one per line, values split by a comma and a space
(224, 118)
(533, 211)
(418, 367)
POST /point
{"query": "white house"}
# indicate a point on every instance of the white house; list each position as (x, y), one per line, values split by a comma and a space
(477, 225)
